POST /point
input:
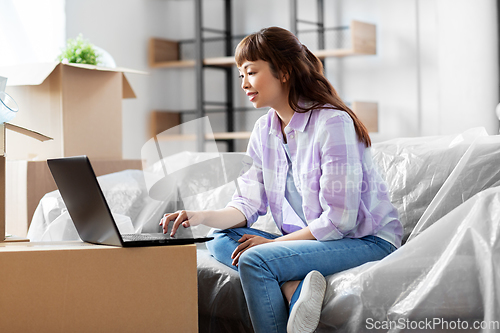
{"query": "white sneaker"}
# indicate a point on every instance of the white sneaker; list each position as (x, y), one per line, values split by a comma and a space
(306, 311)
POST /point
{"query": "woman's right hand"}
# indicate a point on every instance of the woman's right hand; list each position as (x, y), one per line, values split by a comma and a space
(184, 217)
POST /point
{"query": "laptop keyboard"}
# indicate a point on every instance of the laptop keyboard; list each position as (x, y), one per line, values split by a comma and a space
(143, 237)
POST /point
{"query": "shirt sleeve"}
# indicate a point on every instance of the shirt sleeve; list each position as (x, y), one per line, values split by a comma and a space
(250, 196)
(340, 183)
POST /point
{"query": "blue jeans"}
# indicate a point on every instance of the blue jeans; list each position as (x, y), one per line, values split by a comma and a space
(265, 268)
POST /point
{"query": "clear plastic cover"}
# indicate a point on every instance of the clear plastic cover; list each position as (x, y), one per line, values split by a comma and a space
(477, 170)
(416, 168)
(445, 277)
(127, 198)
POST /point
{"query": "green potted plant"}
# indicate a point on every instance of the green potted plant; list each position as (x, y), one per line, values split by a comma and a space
(79, 51)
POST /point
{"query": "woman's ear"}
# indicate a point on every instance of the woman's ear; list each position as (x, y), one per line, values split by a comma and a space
(285, 77)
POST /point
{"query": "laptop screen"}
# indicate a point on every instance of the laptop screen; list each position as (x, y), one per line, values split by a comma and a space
(85, 201)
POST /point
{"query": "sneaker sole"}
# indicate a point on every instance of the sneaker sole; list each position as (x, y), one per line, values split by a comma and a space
(306, 312)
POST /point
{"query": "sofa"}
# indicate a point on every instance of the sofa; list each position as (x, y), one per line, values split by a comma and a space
(445, 276)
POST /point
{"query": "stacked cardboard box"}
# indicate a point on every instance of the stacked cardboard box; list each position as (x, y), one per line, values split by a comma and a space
(4, 194)
(79, 106)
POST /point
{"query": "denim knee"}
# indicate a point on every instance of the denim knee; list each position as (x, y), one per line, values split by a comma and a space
(250, 259)
(216, 246)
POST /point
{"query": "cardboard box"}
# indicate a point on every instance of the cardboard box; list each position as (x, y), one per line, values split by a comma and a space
(21, 131)
(80, 106)
(28, 181)
(79, 287)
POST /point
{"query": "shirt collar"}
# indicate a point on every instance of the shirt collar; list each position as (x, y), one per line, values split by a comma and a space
(298, 122)
(275, 127)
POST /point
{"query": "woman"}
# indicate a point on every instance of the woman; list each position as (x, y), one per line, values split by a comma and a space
(313, 169)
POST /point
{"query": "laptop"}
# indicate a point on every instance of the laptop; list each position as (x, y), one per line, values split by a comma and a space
(90, 212)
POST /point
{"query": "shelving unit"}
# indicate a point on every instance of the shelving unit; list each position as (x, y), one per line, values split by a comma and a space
(165, 54)
(363, 41)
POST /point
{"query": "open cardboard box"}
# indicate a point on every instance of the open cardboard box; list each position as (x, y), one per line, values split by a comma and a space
(79, 106)
(21, 131)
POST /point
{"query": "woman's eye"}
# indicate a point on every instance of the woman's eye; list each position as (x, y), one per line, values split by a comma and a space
(240, 76)
(251, 73)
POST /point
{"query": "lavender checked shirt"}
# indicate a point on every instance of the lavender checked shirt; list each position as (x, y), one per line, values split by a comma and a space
(342, 193)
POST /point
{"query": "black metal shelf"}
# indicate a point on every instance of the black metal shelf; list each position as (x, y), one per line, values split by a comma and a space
(363, 40)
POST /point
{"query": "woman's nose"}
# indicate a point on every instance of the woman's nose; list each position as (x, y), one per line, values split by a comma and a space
(244, 83)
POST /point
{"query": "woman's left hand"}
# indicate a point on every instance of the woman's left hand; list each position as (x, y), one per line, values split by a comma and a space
(247, 241)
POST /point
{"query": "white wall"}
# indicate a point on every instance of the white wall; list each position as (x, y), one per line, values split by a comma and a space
(31, 31)
(467, 62)
(435, 72)
(436, 68)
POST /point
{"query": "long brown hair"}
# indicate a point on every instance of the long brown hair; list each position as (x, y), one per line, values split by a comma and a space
(286, 55)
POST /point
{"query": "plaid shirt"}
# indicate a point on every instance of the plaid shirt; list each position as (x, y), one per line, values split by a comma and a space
(342, 193)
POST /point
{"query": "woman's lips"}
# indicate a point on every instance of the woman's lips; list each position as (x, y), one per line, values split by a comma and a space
(251, 96)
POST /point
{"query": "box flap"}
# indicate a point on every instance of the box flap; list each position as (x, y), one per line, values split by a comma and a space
(128, 92)
(27, 132)
(18, 129)
(27, 74)
(35, 74)
(108, 69)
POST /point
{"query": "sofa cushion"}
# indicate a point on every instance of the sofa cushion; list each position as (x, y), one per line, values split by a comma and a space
(416, 168)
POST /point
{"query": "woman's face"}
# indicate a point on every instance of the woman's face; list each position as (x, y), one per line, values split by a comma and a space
(262, 88)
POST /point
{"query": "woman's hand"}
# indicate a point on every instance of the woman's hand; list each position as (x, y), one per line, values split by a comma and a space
(184, 217)
(247, 241)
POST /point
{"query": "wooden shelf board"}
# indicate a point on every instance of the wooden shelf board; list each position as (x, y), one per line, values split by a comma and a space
(322, 54)
(232, 135)
(216, 136)
(367, 112)
(220, 61)
(229, 61)
(174, 64)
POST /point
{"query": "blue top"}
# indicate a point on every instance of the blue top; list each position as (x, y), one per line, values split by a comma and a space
(291, 194)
